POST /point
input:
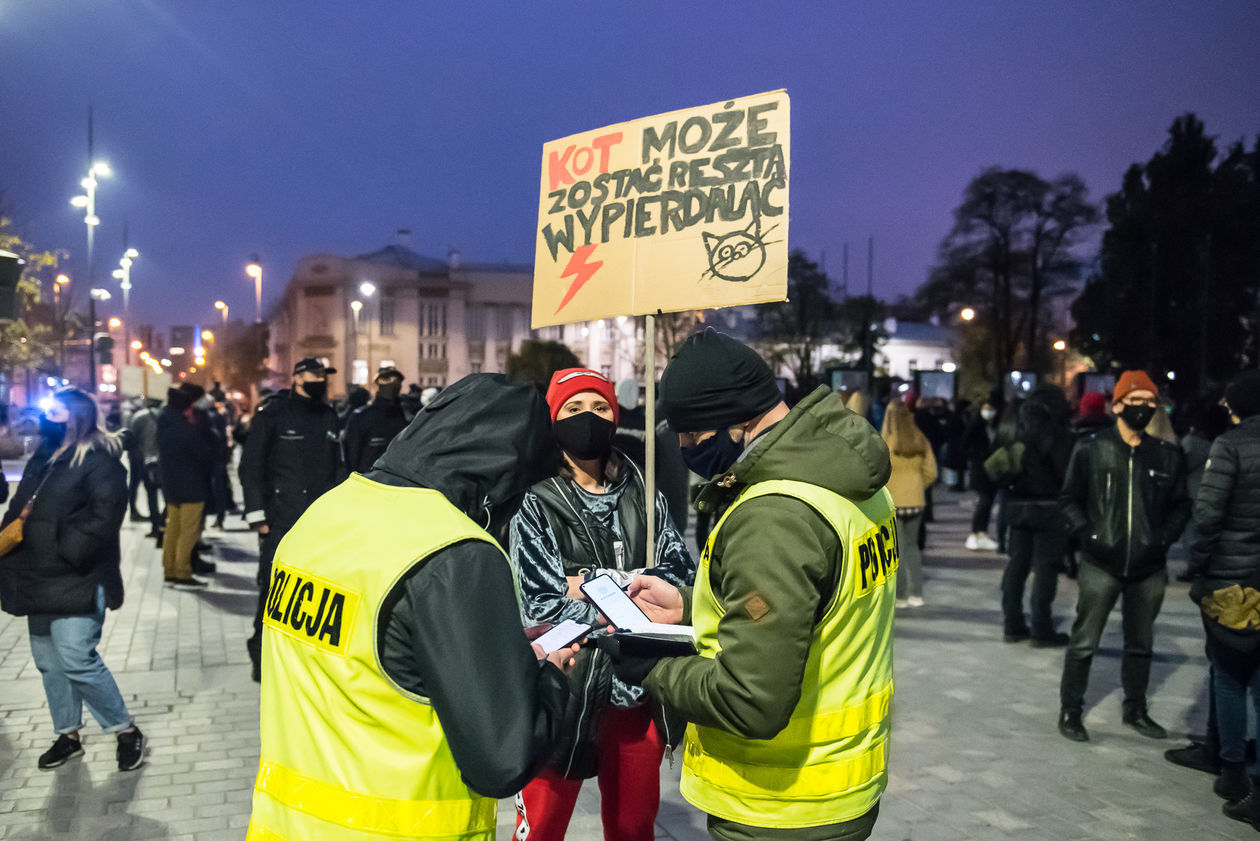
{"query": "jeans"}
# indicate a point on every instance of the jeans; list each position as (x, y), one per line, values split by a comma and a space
(1231, 712)
(910, 564)
(1142, 600)
(64, 648)
(1038, 551)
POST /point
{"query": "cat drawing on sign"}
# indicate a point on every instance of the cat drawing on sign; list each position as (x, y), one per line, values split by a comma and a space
(738, 255)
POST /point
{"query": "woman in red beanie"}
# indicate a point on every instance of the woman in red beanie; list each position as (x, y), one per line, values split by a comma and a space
(589, 520)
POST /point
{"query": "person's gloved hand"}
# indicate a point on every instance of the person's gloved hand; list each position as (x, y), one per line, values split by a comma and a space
(633, 670)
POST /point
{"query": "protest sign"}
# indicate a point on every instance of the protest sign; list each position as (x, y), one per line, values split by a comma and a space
(685, 210)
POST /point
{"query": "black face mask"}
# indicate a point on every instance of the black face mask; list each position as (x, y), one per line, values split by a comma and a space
(585, 436)
(389, 391)
(316, 389)
(54, 433)
(714, 455)
(1137, 417)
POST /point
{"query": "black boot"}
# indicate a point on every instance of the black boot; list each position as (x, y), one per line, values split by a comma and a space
(1071, 727)
(1232, 784)
(1246, 810)
(1137, 718)
(1196, 756)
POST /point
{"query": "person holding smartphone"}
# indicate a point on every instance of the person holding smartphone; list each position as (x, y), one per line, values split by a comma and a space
(591, 518)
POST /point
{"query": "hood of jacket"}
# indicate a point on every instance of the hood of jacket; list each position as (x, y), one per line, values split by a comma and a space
(481, 443)
(822, 443)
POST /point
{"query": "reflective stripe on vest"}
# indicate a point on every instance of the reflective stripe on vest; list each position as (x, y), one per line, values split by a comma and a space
(381, 815)
(347, 754)
(828, 764)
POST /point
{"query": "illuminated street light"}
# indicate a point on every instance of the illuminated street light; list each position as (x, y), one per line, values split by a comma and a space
(255, 271)
(1060, 345)
(367, 288)
(115, 323)
(207, 336)
(87, 202)
(967, 314)
(949, 367)
(223, 308)
(136, 345)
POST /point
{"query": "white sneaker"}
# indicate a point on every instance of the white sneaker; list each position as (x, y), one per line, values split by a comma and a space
(971, 543)
(986, 543)
(901, 603)
(915, 601)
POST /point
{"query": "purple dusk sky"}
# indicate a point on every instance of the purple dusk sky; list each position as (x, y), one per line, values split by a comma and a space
(289, 128)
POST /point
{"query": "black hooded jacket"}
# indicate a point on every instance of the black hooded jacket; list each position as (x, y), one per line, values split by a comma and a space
(450, 630)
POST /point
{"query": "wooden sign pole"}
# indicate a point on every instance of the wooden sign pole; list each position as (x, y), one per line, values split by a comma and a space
(649, 432)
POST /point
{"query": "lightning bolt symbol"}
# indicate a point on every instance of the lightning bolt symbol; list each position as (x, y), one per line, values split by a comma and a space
(581, 271)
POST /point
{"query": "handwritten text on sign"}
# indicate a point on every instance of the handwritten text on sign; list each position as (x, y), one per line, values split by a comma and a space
(686, 210)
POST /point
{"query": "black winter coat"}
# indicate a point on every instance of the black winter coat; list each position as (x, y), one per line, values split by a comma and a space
(70, 541)
(291, 457)
(369, 430)
(185, 456)
(1227, 512)
(1125, 504)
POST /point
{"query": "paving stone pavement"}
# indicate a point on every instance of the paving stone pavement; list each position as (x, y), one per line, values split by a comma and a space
(975, 755)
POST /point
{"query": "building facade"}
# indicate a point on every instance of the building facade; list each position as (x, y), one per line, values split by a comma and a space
(435, 320)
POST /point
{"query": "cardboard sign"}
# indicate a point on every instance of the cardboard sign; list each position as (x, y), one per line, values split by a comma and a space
(685, 210)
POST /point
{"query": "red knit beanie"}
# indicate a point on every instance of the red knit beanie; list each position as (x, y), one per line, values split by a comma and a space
(570, 381)
(1131, 381)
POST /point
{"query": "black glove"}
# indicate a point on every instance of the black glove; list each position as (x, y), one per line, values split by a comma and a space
(633, 670)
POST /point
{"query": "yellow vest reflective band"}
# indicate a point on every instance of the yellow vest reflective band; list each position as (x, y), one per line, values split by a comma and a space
(346, 752)
(829, 764)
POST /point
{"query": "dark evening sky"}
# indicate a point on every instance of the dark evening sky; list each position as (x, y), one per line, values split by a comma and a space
(288, 128)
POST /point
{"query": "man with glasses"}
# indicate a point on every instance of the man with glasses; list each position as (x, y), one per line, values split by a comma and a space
(1125, 500)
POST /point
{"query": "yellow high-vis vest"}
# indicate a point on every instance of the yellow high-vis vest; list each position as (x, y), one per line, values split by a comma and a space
(346, 752)
(828, 764)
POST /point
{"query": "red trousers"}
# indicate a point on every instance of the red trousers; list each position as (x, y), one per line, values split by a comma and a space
(630, 751)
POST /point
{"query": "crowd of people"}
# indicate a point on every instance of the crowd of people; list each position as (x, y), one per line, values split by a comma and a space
(1103, 497)
(410, 551)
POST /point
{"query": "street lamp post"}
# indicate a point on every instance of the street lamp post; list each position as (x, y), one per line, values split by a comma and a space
(355, 306)
(87, 201)
(255, 271)
(366, 288)
(61, 281)
(223, 308)
(123, 273)
(93, 296)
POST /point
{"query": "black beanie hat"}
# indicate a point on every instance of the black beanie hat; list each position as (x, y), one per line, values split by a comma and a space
(1243, 394)
(714, 382)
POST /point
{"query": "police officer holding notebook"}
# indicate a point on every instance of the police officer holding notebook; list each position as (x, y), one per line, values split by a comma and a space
(792, 608)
